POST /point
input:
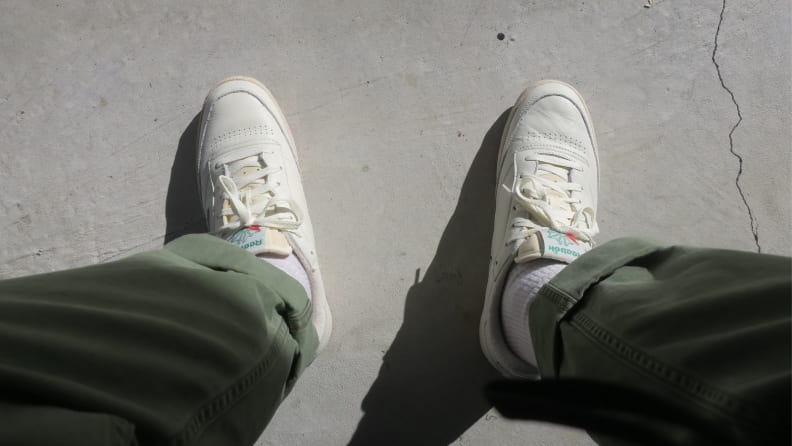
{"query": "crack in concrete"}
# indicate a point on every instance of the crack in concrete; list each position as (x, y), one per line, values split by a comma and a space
(754, 223)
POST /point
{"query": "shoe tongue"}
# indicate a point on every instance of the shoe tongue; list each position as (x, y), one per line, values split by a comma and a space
(550, 244)
(261, 240)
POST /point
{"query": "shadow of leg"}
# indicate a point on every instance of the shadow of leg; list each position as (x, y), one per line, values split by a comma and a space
(430, 386)
(183, 212)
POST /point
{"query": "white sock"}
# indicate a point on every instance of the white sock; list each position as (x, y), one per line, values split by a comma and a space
(523, 284)
(290, 265)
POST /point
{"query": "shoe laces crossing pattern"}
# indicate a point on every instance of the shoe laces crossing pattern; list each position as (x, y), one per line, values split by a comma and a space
(254, 197)
(547, 196)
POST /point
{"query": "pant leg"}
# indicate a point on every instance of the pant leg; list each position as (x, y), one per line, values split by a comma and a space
(193, 344)
(704, 330)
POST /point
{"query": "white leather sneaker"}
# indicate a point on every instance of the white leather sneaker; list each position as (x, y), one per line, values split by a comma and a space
(546, 197)
(250, 182)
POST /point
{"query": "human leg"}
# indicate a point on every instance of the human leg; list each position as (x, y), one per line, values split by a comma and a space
(196, 343)
(705, 330)
(546, 197)
(662, 325)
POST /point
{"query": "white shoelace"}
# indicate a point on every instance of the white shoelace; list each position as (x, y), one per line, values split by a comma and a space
(549, 200)
(254, 198)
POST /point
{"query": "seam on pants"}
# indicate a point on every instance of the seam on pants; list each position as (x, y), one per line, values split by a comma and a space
(558, 298)
(704, 394)
(300, 320)
(209, 412)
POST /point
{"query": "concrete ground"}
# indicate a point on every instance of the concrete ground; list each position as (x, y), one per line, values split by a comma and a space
(395, 107)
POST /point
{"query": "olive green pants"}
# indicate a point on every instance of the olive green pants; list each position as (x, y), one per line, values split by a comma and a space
(680, 336)
(193, 344)
(198, 343)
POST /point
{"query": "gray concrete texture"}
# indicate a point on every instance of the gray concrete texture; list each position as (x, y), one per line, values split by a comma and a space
(395, 107)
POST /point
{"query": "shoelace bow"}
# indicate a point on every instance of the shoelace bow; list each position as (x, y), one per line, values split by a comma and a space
(245, 209)
(537, 193)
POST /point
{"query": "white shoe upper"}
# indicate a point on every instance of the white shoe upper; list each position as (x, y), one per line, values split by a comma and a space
(250, 181)
(546, 198)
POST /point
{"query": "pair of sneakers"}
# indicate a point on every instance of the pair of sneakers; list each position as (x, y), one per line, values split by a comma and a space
(546, 194)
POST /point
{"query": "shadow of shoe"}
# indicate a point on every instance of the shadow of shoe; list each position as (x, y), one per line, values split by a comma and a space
(430, 387)
(183, 211)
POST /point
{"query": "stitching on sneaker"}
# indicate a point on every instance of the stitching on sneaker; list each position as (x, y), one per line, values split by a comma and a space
(259, 130)
(558, 137)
